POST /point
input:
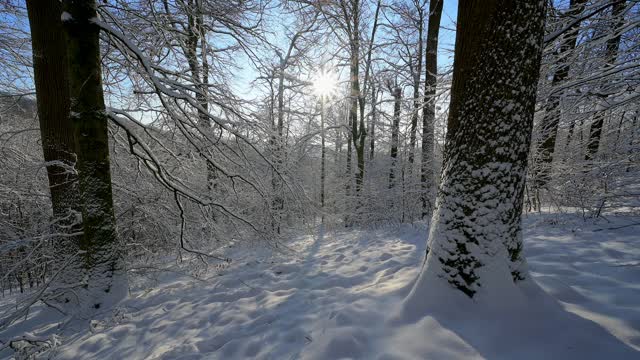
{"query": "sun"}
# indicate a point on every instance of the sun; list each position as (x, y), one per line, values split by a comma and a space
(325, 83)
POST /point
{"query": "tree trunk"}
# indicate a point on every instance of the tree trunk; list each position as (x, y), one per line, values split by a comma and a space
(429, 107)
(475, 239)
(102, 255)
(551, 120)
(367, 81)
(417, 75)
(323, 155)
(395, 134)
(349, 172)
(52, 91)
(372, 131)
(355, 134)
(613, 44)
(278, 152)
(199, 68)
(358, 132)
(632, 136)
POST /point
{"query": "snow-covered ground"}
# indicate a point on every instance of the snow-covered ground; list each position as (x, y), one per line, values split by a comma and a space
(339, 297)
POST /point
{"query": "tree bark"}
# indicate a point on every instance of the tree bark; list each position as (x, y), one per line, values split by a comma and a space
(367, 81)
(475, 241)
(52, 90)
(429, 107)
(351, 13)
(323, 154)
(58, 146)
(395, 133)
(102, 255)
(372, 130)
(417, 75)
(358, 132)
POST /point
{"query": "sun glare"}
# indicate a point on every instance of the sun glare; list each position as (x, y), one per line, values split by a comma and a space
(325, 83)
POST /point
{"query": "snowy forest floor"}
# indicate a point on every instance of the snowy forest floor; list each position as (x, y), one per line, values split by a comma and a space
(334, 297)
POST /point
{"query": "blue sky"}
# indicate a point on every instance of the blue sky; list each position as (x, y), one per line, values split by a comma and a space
(447, 38)
(445, 49)
(446, 44)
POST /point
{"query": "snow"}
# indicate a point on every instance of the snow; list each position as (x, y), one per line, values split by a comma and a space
(341, 296)
(66, 16)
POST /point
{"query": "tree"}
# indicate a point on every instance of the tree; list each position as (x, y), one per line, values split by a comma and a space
(348, 21)
(292, 55)
(611, 54)
(549, 125)
(396, 92)
(372, 124)
(415, 67)
(352, 17)
(585, 98)
(101, 255)
(475, 238)
(429, 106)
(165, 89)
(346, 16)
(58, 146)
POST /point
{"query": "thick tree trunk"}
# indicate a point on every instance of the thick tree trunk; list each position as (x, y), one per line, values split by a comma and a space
(429, 107)
(58, 146)
(475, 239)
(102, 256)
(551, 119)
(52, 90)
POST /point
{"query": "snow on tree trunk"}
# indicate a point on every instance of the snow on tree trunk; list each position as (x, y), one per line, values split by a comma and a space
(103, 269)
(475, 241)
